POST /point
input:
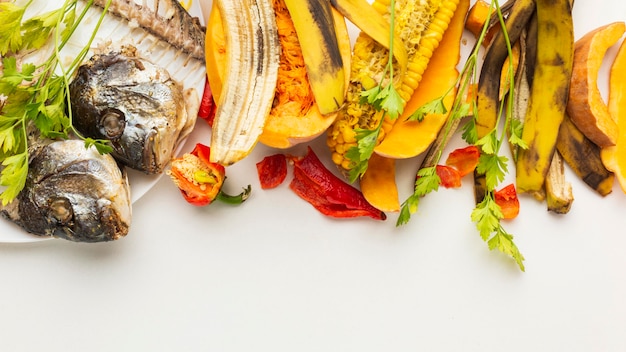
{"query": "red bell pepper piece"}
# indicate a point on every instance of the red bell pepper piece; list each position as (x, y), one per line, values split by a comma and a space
(464, 160)
(207, 105)
(449, 176)
(507, 199)
(328, 193)
(272, 170)
(199, 180)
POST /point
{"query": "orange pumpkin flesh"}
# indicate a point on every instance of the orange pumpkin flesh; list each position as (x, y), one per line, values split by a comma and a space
(410, 138)
(294, 118)
(407, 139)
(586, 107)
(613, 157)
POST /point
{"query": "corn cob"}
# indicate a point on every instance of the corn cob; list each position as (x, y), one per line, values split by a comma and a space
(420, 24)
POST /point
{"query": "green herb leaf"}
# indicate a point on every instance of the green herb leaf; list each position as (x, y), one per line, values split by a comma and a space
(13, 176)
(10, 27)
(435, 106)
(487, 216)
(427, 181)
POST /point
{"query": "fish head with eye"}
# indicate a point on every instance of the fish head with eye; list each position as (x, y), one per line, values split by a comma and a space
(136, 105)
(73, 193)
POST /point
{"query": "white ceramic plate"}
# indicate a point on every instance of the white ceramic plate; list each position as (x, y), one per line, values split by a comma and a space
(191, 74)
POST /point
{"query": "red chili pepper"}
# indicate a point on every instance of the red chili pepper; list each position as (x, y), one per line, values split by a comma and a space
(464, 159)
(328, 193)
(272, 170)
(449, 176)
(207, 104)
(199, 180)
(507, 199)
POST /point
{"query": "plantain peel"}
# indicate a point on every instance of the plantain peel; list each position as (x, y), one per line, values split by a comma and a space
(313, 19)
(250, 78)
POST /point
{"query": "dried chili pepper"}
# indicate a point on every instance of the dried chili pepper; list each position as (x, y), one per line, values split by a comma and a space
(329, 194)
(464, 160)
(507, 199)
(199, 180)
(207, 105)
(272, 170)
(449, 176)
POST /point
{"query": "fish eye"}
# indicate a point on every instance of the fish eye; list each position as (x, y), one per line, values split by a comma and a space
(112, 123)
(60, 210)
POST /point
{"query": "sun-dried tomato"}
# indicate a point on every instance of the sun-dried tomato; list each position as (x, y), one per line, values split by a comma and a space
(464, 159)
(507, 199)
(272, 170)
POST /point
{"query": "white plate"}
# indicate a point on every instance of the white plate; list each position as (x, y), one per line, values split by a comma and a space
(192, 75)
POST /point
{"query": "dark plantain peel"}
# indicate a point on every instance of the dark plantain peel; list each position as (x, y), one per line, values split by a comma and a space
(549, 93)
(583, 156)
(487, 100)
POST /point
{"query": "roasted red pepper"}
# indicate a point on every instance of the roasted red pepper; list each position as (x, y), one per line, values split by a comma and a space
(464, 160)
(272, 170)
(199, 180)
(329, 194)
(449, 176)
(207, 105)
(507, 199)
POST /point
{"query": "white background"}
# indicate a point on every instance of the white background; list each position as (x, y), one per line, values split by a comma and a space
(275, 275)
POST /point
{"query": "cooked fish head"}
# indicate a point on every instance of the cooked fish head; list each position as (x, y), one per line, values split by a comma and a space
(136, 105)
(73, 193)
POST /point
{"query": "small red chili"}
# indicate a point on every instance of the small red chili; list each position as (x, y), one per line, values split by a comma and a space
(207, 105)
(199, 180)
(508, 201)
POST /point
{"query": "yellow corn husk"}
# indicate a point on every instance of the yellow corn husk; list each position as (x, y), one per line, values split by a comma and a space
(420, 25)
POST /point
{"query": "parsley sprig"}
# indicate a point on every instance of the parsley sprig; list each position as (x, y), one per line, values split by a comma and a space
(386, 100)
(487, 214)
(36, 93)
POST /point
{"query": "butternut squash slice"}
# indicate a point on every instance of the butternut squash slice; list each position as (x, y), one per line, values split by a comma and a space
(411, 138)
(614, 157)
(586, 107)
(294, 117)
(407, 139)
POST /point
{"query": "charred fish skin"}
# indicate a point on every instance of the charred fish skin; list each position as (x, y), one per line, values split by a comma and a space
(168, 21)
(73, 193)
(136, 105)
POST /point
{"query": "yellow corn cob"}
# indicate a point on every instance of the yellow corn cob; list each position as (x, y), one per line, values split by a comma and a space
(420, 24)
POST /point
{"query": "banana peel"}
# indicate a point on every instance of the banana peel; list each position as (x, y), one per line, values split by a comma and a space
(296, 115)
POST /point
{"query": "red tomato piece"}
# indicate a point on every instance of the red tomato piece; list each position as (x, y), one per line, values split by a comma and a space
(508, 201)
(464, 159)
(449, 176)
(272, 170)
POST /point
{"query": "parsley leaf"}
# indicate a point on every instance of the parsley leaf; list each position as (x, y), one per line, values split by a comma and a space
(10, 27)
(435, 106)
(427, 181)
(487, 216)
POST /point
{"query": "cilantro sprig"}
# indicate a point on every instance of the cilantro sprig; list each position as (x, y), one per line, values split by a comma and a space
(487, 214)
(386, 100)
(35, 93)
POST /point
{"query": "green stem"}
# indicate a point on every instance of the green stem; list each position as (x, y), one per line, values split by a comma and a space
(238, 199)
